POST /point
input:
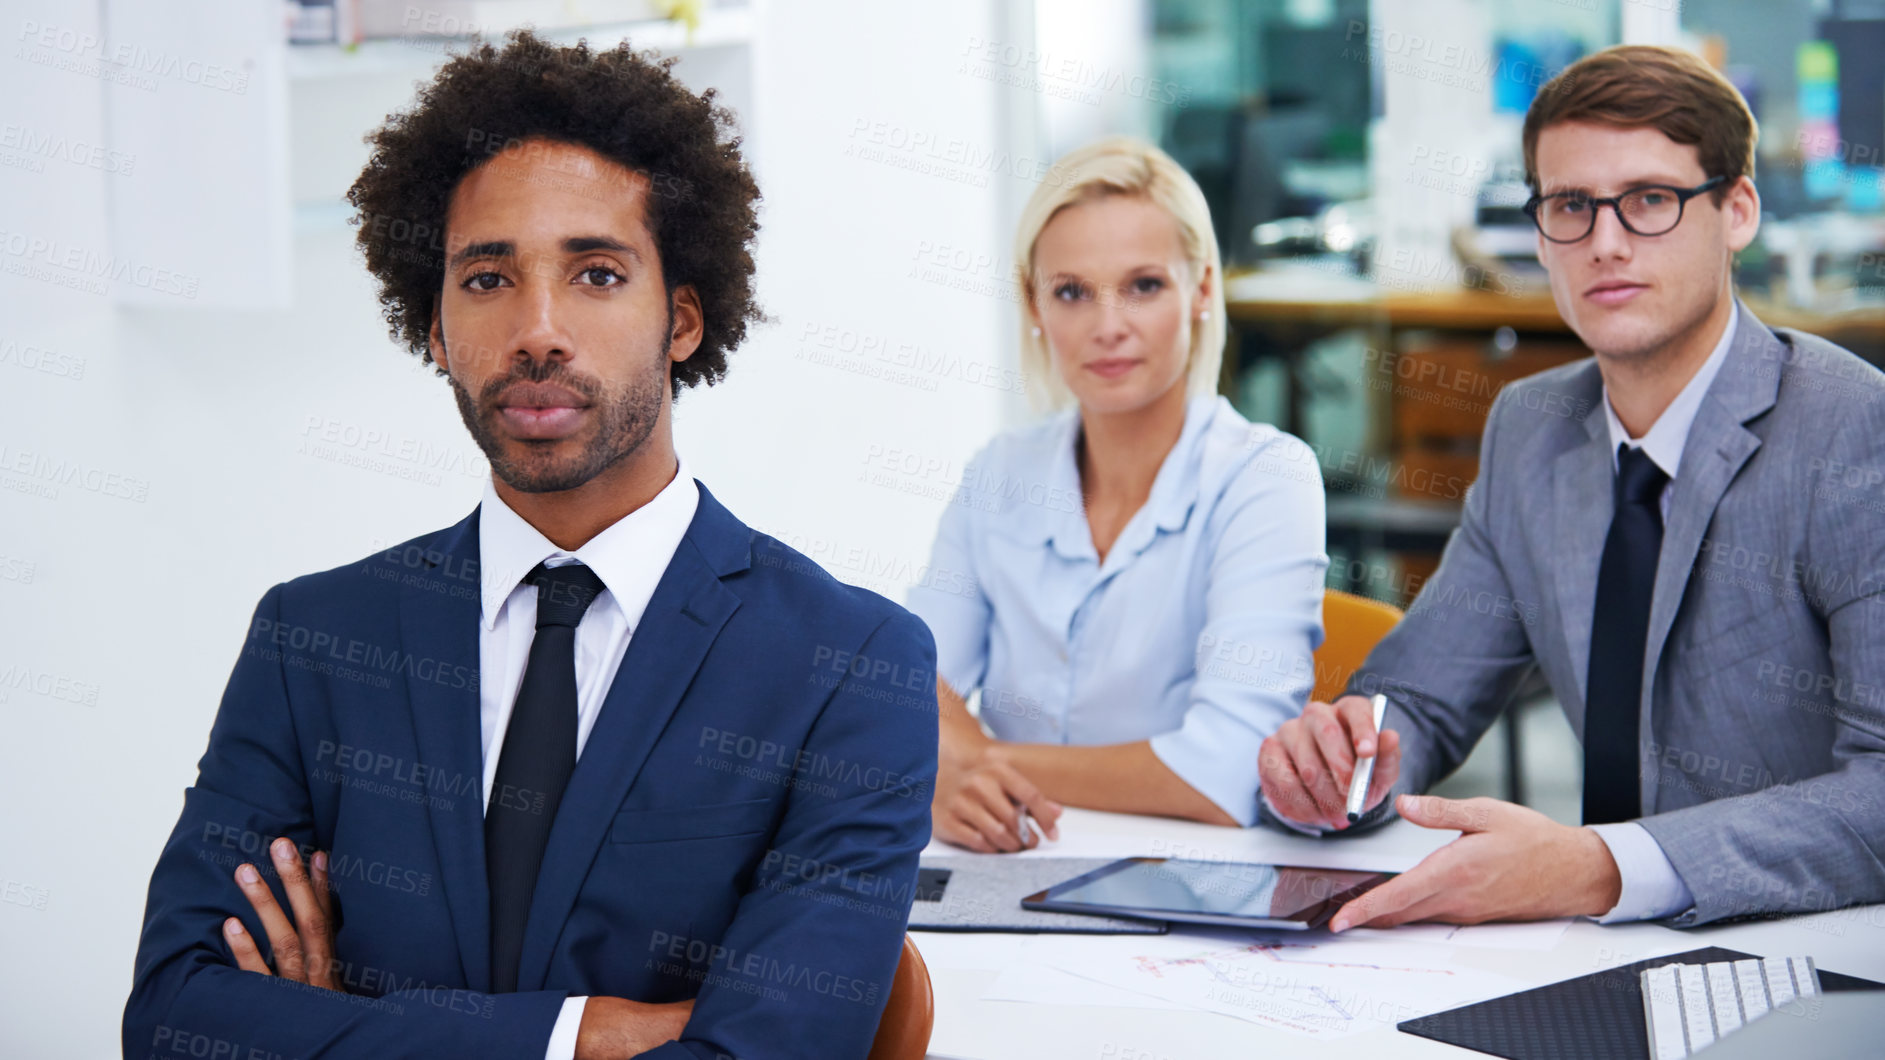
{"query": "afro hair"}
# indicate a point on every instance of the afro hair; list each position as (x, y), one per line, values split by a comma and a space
(625, 106)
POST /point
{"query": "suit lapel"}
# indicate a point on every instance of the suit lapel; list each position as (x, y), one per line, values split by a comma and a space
(689, 608)
(438, 625)
(1713, 454)
(1581, 505)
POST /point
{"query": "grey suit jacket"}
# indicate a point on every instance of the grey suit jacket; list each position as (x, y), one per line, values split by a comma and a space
(1762, 731)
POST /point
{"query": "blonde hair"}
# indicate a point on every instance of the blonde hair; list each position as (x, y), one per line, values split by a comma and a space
(1122, 165)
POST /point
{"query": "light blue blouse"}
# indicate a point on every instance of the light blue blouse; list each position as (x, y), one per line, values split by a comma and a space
(1196, 632)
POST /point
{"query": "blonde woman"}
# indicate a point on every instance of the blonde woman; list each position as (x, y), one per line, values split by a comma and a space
(1134, 585)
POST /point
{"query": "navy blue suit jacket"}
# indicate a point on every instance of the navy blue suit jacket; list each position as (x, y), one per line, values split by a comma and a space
(742, 826)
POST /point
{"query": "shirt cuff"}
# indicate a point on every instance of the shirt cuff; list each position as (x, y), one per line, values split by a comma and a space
(1652, 889)
(563, 1035)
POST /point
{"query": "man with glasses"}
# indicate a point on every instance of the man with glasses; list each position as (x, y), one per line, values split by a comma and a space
(1684, 533)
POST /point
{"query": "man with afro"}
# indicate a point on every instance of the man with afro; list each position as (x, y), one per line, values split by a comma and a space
(599, 771)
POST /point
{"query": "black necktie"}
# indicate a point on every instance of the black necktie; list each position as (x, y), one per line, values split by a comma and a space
(1618, 632)
(538, 756)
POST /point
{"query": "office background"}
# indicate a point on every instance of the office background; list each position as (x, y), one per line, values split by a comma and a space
(198, 398)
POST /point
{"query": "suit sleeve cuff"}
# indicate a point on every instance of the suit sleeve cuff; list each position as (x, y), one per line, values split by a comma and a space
(1652, 889)
(1277, 815)
(563, 1035)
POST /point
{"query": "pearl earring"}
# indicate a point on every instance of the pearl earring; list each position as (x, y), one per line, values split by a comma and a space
(1204, 315)
(1037, 332)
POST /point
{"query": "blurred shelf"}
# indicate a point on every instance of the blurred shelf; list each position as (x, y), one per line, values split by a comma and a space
(418, 56)
(338, 95)
(1259, 300)
(1429, 522)
(1860, 330)
(1252, 299)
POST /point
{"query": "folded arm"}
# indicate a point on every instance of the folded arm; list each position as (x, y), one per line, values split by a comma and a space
(250, 789)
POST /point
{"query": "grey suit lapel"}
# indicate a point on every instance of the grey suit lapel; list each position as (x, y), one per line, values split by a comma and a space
(1580, 518)
(1713, 454)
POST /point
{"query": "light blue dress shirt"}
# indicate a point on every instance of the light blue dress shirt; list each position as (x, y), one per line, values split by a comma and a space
(1197, 632)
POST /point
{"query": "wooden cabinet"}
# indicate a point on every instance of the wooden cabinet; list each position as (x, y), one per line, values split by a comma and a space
(1440, 388)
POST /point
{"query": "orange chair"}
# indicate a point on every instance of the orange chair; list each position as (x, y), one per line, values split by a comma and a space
(910, 1012)
(1352, 625)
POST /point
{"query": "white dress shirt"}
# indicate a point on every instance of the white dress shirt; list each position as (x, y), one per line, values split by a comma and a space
(629, 556)
(1651, 887)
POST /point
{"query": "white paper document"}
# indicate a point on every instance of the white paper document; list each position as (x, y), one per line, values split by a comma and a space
(1041, 984)
(1319, 987)
(1538, 936)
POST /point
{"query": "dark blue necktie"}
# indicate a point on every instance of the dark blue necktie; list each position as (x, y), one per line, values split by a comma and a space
(1618, 632)
(534, 767)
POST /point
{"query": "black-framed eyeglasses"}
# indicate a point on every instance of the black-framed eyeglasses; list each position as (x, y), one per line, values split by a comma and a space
(1648, 210)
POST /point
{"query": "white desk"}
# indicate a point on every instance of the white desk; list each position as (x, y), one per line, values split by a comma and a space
(962, 966)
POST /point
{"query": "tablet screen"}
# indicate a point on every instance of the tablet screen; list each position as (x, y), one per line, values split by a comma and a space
(1216, 888)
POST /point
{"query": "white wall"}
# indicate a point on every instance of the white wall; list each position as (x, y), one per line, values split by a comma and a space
(138, 603)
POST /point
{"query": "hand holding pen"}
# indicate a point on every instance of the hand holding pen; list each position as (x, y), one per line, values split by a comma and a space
(1364, 769)
(1308, 766)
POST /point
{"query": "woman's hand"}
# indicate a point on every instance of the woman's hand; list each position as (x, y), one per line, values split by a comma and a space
(979, 793)
(979, 798)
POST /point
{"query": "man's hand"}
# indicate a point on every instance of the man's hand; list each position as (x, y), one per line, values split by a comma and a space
(978, 804)
(616, 1028)
(1510, 863)
(304, 954)
(1305, 766)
